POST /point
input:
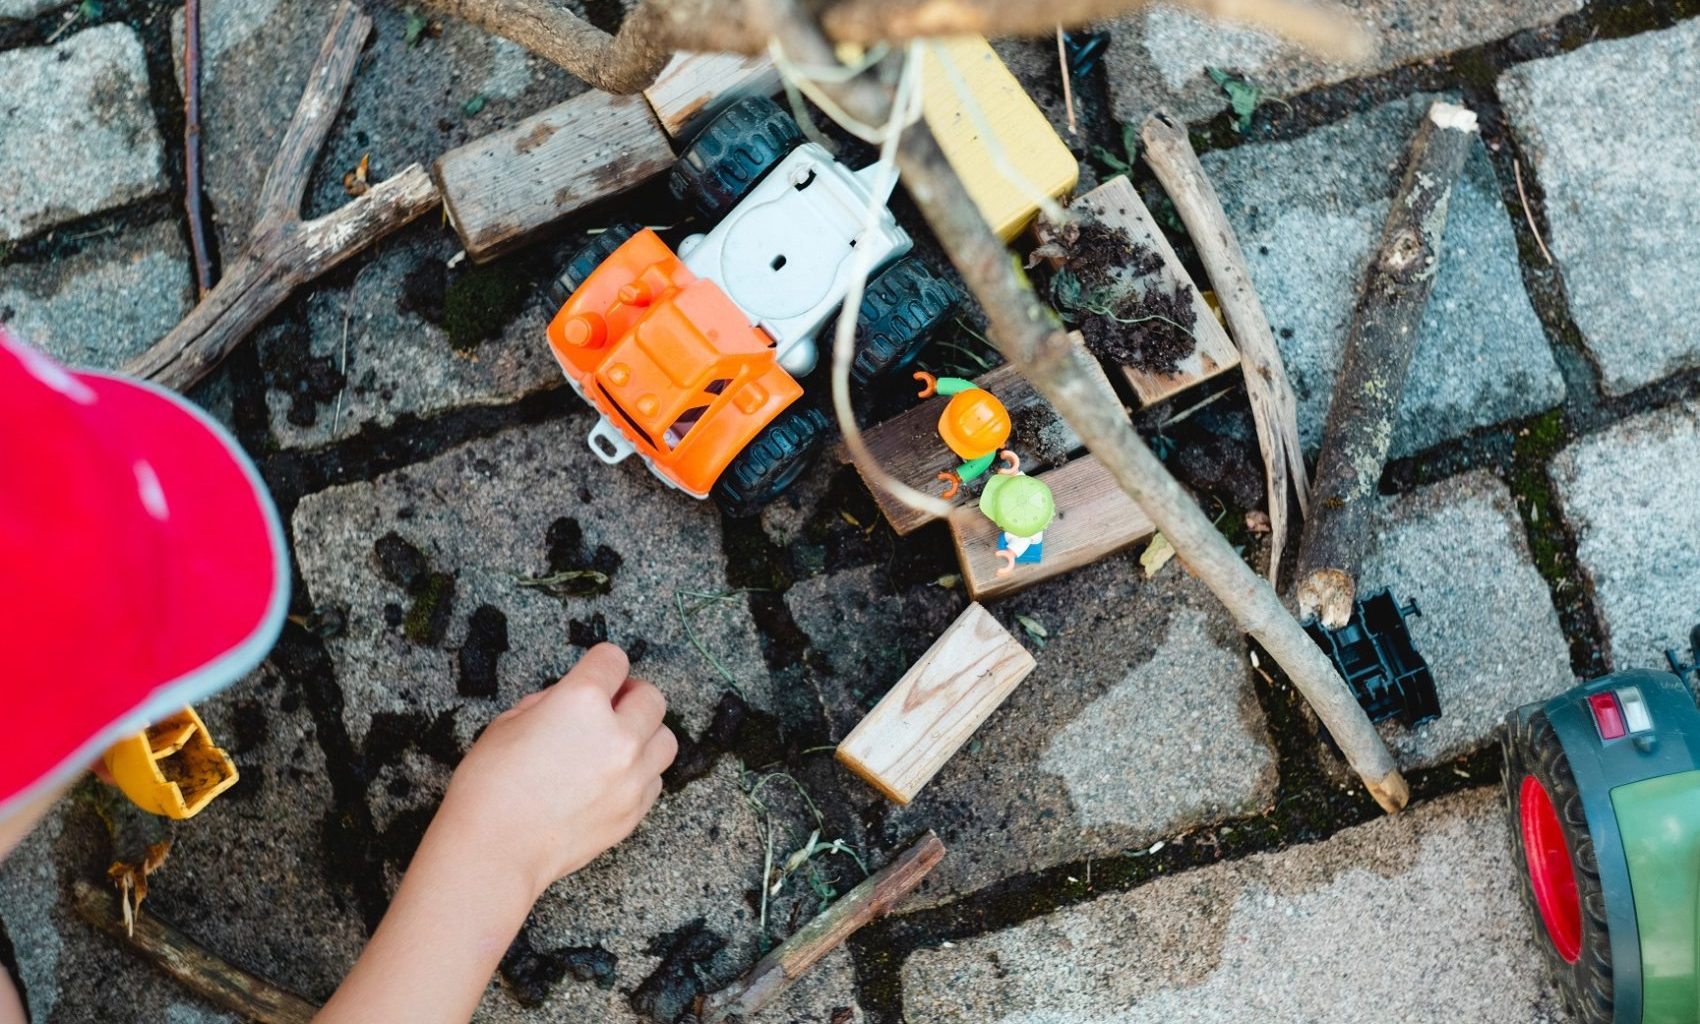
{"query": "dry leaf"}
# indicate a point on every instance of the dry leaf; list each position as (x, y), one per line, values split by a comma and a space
(1257, 521)
(1157, 554)
(354, 182)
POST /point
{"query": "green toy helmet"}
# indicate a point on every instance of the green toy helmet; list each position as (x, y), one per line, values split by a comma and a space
(1019, 504)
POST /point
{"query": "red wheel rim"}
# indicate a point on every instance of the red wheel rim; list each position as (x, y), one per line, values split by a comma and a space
(1552, 875)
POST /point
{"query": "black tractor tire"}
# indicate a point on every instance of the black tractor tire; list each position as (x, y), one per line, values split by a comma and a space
(1532, 748)
(900, 310)
(587, 259)
(722, 164)
(773, 461)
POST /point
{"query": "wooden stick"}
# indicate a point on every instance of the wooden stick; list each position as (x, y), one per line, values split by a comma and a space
(192, 147)
(932, 711)
(776, 972)
(283, 251)
(1273, 408)
(1030, 338)
(209, 977)
(1383, 336)
(693, 87)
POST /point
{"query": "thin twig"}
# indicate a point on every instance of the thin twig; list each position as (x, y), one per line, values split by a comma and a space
(1068, 87)
(192, 147)
(1522, 197)
(347, 315)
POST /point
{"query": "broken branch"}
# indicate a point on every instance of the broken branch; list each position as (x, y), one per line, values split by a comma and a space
(630, 59)
(775, 972)
(192, 147)
(1030, 337)
(285, 252)
(211, 978)
(1273, 408)
(1383, 336)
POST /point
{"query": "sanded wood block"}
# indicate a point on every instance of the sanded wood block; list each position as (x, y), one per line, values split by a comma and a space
(693, 87)
(1117, 204)
(1019, 133)
(936, 706)
(1095, 518)
(908, 445)
(503, 188)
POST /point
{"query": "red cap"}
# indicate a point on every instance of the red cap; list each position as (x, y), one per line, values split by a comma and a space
(142, 564)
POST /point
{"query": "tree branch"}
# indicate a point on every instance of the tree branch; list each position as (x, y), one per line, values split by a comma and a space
(629, 60)
(775, 972)
(1031, 338)
(1379, 346)
(1274, 410)
(283, 251)
(202, 973)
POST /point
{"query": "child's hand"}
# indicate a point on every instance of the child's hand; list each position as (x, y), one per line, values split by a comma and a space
(564, 774)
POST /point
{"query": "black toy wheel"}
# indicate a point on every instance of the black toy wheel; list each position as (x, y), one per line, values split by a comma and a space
(900, 310)
(722, 165)
(587, 259)
(772, 462)
(1554, 857)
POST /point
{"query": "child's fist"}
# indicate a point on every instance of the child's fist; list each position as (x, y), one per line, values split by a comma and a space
(565, 773)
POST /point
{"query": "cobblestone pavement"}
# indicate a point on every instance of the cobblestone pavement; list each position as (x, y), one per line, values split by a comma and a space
(1149, 828)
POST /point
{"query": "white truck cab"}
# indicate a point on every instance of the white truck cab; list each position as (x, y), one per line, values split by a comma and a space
(783, 254)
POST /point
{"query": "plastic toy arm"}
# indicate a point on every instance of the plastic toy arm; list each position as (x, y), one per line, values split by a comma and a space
(973, 469)
(948, 386)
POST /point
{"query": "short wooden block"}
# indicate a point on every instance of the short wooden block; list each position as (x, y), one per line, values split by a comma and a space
(1117, 204)
(1095, 518)
(693, 87)
(936, 706)
(1018, 128)
(908, 445)
(501, 189)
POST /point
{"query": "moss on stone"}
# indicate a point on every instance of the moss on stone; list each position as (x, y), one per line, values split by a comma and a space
(482, 301)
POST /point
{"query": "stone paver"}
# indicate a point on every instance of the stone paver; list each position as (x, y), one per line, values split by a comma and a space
(1628, 493)
(1160, 54)
(1488, 629)
(104, 305)
(396, 362)
(21, 10)
(1610, 131)
(1413, 918)
(1138, 722)
(406, 105)
(523, 503)
(80, 137)
(1308, 213)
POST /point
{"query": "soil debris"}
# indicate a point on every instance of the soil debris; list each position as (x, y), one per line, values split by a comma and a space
(532, 973)
(486, 642)
(1109, 287)
(672, 990)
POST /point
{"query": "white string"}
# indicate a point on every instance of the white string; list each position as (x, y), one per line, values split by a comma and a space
(905, 111)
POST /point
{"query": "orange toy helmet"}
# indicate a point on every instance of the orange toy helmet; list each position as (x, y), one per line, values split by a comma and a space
(974, 424)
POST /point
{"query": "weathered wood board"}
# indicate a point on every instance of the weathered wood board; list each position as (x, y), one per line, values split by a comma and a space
(1095, 518)
(693, 87)
(936, 706)
(908, 445)
(502, 189)
(1117, 204)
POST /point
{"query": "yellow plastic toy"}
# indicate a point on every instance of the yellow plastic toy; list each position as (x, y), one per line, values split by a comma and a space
(171, 768)
(1019, 130)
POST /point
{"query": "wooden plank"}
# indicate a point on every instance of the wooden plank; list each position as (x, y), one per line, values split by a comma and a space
(1116, 204)
(936, 706)
(1019, 140)
(908, 445)
(1095, 518)
(500, 190)
(693, 87)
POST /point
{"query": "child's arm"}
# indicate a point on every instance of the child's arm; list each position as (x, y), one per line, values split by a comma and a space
(11, 1008)
(552, 783)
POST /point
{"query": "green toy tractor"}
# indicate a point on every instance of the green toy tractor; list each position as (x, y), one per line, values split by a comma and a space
(1603, 787)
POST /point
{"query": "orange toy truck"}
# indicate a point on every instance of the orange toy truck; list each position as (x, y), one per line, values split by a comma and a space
(693, 358)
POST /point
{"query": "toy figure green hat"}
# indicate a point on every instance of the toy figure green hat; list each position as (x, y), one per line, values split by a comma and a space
(1019, 504)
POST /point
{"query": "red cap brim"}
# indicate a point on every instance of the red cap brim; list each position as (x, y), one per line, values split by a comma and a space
(216, 611)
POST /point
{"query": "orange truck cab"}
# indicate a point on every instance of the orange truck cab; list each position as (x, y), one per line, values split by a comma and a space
(671, 358)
